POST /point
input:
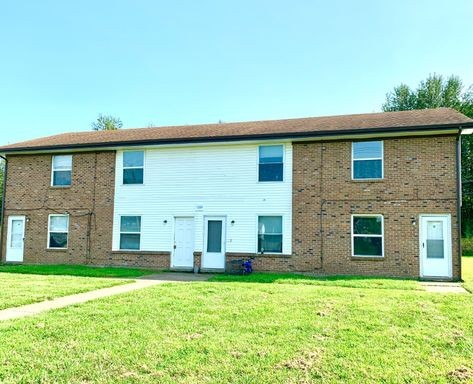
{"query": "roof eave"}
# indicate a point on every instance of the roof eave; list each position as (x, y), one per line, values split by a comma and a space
(299, 136)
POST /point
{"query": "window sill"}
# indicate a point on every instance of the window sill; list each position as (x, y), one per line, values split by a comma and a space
(56, 249)
(60, 186)
(367, 180)
(161, 253)
(368, 258)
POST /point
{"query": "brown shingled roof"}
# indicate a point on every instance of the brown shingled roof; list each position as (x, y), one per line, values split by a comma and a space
(378, 122)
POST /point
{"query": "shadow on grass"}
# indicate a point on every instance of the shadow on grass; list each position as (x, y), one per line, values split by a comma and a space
(339, 280)
(75, 270)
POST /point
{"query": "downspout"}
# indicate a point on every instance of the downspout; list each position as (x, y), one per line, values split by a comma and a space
(459, 201)
(2, 212)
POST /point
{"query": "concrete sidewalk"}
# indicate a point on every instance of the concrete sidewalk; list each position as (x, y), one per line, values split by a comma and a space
(61, 302)
(443, 287)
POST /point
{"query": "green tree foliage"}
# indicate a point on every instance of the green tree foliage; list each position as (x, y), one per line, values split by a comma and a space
(433, 92)
(106, 123)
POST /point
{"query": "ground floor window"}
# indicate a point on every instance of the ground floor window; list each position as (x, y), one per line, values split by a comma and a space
(269, 234)
(58, 231)
(130, 232)
(367, 235)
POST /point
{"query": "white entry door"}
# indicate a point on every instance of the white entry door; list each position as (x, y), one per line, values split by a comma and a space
(435, 246)
(15, 239)
(183, 254)
(213, 256)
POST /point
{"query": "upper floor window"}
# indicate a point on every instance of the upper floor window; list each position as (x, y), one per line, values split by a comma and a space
(61, 171)
(367, 235)
(367, 160)
(58, 231)
(271, 163)
(130, 232)
(133, 167)
(270, 234)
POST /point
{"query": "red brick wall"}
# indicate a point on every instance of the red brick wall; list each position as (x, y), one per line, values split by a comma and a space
(419, 177)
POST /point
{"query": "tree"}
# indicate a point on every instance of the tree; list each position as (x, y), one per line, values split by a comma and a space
(434, 92)
(106, 123)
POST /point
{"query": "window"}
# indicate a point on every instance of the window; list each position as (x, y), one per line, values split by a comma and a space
(61, 171)
(130, 232)
(367, 159)
(367, 235)
(271, 163)
(133, 165)
(58, 231)
(270, 234)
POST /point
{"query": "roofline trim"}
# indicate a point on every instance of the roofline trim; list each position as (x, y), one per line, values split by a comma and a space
(311, 135)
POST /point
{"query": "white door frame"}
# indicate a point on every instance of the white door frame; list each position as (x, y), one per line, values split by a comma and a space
(174, 242)
(205, 254)
(9, 251)
(447, 219)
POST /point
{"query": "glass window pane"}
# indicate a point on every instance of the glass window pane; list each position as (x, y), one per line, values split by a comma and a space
(435, 230)
(129, 241)
(57, 240)
(133, 176)
(61, 178)
(133, 158)
(269, 225)
(16, 237)
(62, 162)
(367, 150)
(368, 246)
(270, 243)
(214, 236)
(366, 225)
(367, 169)
(271, 154)
(130, 224)
(58, 223)
(435, 249)
(271, 172)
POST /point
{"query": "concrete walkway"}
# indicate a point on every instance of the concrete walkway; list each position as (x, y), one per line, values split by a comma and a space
(440, 287)
(61, 302)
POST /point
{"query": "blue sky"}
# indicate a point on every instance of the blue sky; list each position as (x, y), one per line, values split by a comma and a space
(185, 62)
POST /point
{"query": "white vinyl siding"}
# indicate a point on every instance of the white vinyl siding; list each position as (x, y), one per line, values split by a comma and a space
(198, 181)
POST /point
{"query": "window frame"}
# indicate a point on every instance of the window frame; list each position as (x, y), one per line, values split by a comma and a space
(53, 170)
(66, 232)
(142, 167)
(120, 249)
(365, 159)
(282, 233)
(283, 162)
(353, 235)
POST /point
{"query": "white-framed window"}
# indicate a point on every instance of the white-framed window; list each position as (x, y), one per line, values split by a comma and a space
(270, 163)
(270, 234)
(367, 235)
(61, 173)
(58, 231)
(133, 167)
(130, 232)
(367, 160)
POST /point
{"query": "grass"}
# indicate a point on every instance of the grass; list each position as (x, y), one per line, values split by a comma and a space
(76, 270)
(16, 290)
(331, 281)
(467, 272)
(266, 330)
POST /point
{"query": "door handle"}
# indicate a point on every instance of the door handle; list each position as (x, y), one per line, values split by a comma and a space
(174, 246)
(423, 245)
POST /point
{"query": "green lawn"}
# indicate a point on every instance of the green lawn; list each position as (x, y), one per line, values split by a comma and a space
(467, 272)
(266, 330)
(16, 290)
(76, 270)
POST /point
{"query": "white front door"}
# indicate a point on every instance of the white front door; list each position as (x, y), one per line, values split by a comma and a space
(183, 253)
(213, 256)
(435, 246)
(15, 238)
